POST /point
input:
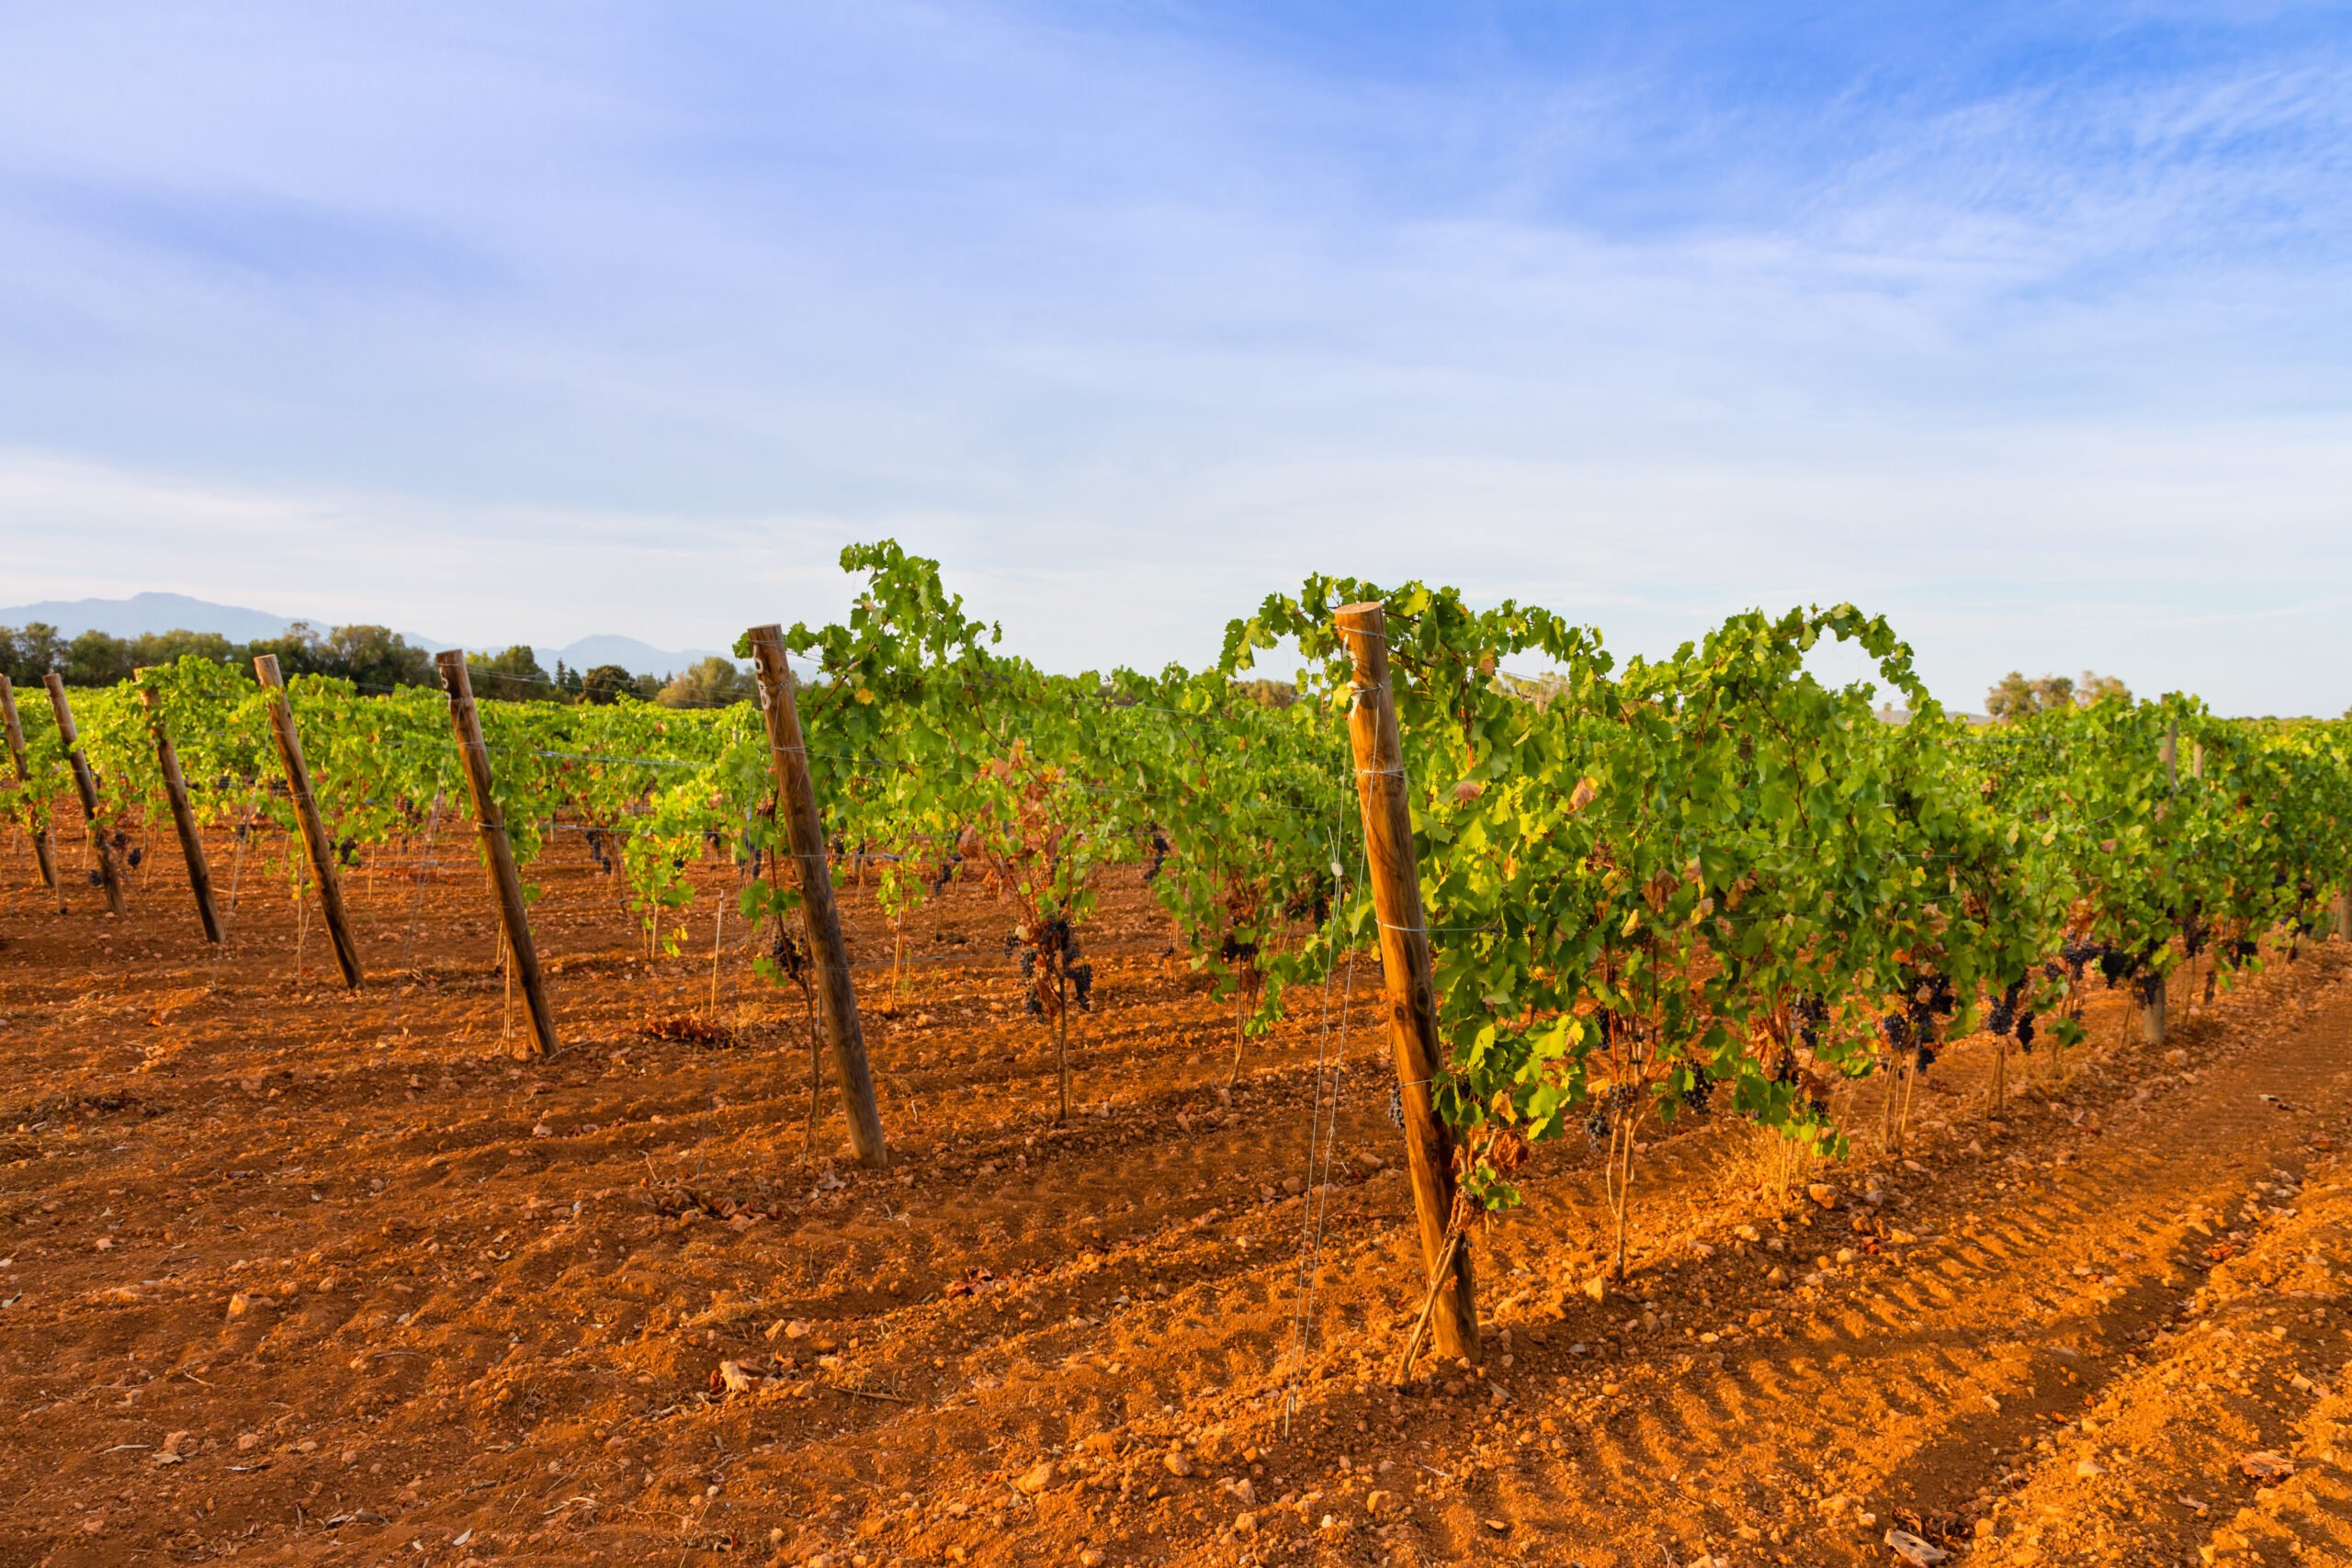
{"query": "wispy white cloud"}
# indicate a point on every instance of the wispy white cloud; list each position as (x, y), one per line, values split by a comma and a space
(2030, 332)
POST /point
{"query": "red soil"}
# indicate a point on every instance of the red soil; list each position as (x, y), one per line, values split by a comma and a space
(303, 1276)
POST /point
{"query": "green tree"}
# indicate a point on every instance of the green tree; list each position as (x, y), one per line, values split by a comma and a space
(31, 652)
(2011, 698)
(95, 659)
(377, 656)
(512, 676)
(171, 647)
(300, 650)
(2014, 697)
(1266, 692)
(606, 684)
(710, 682)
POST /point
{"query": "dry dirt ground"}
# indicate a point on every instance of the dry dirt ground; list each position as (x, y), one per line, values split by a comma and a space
(294, 1275)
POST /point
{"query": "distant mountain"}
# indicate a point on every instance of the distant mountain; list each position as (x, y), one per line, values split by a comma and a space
(637, 658)
(149, 612)
(178, 612)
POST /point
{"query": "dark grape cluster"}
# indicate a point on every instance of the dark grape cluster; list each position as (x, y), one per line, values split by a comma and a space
(1158, 855)
(2076, 953)
(1312, 899)
(596, 842)
(1811, 1013)
(1601, 1110)
(1040, 949)
(2306, 919)
(947, 868)
(2002, 1018)
(790, 958)
(1933, 995)
(1927, 1001)
(1698, 1092)
(346, 851)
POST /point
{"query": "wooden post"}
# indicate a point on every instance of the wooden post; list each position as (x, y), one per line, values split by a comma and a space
(797, 805)
(85, 783)
(2344, 914)
(2151, 989)
(168, 762)
(306, 809)
(1404, 975)
(497, 853)
(33, 823)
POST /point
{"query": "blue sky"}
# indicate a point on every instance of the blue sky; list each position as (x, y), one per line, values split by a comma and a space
(2030, 326)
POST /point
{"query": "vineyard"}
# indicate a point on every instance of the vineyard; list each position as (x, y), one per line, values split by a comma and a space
(1458, 1094)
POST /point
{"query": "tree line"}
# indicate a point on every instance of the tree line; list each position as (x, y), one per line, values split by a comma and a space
(373, 658)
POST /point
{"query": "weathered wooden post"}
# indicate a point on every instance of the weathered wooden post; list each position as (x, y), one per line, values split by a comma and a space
(497, 853)
(86, 784)
(33, 822)
(796, 808)
(2151, 988)
(306, 810)
(168, 762)
(1406, 977)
